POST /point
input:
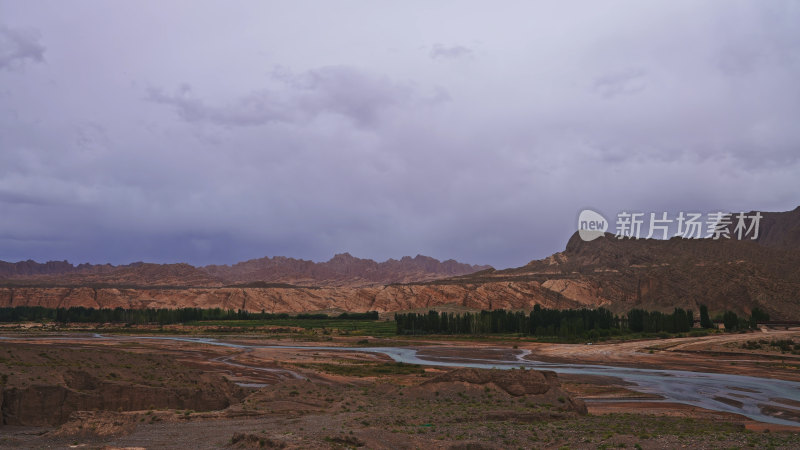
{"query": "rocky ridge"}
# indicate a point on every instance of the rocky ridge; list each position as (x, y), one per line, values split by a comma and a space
(341, 270)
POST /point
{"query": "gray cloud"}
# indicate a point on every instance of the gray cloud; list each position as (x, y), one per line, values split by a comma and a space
(360, 143)
(256, 108)
(440, 51)
(626, 82)
(339, 90)
(17, 45)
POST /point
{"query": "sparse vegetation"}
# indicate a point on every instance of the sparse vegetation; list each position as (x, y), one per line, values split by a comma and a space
(782, 345)
(366, 369)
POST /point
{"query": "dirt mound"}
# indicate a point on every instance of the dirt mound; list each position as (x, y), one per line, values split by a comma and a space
(538, 387)
(52, 405)
(514, 382)
(97, 423)
(247, 440)
(45, 387)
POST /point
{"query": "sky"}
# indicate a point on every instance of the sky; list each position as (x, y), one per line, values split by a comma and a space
(212, 132)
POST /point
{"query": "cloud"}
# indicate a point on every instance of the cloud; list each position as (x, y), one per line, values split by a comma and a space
(297, 98)
(256, 108)
(444, 52)
(379, 146)
(626, 82)
(16, 46)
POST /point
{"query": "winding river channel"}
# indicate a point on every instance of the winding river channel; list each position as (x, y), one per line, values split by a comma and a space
(749, 396)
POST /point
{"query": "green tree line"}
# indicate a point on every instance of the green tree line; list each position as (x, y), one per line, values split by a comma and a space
(680, 321)
(539, 322)
(565, 323)
(162, 316)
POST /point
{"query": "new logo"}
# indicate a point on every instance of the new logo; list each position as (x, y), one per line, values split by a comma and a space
(591, 225)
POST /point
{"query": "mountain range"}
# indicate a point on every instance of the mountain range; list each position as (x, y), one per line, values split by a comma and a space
(341, 270)
(618, 274)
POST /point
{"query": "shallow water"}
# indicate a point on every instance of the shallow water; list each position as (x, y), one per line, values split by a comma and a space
(692, 388)
(700, 389)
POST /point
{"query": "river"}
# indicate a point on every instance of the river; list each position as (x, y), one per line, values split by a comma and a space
(739, 394)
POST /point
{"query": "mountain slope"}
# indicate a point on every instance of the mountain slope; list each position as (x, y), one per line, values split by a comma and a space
(780, 229)
(725, 274)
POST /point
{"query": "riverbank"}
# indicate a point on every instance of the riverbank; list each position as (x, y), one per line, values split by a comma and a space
(351, 365)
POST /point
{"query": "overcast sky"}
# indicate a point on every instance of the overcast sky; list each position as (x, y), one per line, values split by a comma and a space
(213, 132)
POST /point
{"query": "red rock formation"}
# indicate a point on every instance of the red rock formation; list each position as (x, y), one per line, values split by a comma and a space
(341, 270)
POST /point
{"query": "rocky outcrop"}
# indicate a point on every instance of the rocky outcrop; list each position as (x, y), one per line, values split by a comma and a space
(49, 405)
(42, 385)
(661, 275)
(543, 385)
